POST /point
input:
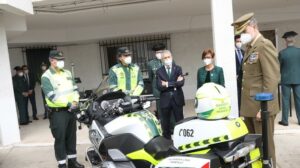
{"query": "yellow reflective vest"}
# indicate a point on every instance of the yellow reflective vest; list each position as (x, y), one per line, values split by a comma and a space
(59, 88)
(128, 79)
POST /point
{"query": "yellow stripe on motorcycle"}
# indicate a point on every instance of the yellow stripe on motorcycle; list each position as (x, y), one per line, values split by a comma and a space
(254, 154)
(205, 142)
(200, 152)
(142, 155)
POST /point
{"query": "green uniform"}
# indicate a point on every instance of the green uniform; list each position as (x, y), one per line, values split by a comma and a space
(60, 91)
(260, 74)
(126, 78)
(289, 59)
(216, 76)
(21, 86)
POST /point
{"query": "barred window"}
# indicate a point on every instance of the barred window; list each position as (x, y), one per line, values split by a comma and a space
(141, 48)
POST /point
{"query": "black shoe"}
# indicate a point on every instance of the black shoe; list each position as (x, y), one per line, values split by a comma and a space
(29, 122)
(283, 123)
(35, 118)
(24, 123)
(45, 117)
(62, 166)
(72, 163)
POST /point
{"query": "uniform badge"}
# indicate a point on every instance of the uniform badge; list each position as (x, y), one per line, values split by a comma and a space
(253, 57)
(122, 75)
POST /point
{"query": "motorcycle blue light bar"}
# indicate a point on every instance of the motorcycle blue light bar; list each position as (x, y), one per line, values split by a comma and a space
(264, 97)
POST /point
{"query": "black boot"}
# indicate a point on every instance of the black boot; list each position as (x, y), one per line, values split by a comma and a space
(72, 163)
(62, 166)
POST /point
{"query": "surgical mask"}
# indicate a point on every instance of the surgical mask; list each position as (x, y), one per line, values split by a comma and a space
(238, 45)
(158, 55)
(44, 67)
(20, 73)
(60, 64)
(207, 61)
(128, 60)
(168, 62)
(246, 38)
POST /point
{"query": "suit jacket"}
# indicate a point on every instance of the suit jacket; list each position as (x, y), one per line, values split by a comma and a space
(32, 81)
(260, 74)
(216, 76)
(289, 59)
(174, 88)
(237, 63)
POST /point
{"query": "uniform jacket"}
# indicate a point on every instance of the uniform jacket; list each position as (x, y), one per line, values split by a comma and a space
(174, 88)
(260, 74)
(289, 59)
(19, 85)
(153, 66)
(216, 76)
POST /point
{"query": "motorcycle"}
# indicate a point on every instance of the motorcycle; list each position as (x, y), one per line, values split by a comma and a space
(124, 133)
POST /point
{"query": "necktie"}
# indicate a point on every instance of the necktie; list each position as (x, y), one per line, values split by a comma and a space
(27, 79)
(168, 71)
(240, 55)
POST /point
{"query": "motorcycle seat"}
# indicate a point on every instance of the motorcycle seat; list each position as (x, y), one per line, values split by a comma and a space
(160, 147)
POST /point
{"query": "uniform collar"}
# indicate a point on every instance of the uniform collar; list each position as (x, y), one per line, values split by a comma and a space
(254, 41)
(53, 71)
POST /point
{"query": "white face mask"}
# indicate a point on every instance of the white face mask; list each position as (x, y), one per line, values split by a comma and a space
(44, 67)
(246, 38)
(168, 62)
(158, 55)
(238, 45)
(128, 60)
(207, 61)
(20, 73)
(60, 64)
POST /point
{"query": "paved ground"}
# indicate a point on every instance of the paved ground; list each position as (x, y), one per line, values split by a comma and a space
(36, 148)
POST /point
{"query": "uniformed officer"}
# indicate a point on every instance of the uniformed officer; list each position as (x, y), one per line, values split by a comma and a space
(61, 97)
(260, 74)
(21, 94)
(289, 59)
(153, 65)
(125, 75)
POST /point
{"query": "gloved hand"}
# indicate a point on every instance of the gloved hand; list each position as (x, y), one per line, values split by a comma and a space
(73, 106)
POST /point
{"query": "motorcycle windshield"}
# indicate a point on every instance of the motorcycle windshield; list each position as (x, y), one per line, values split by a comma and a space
(103, 87)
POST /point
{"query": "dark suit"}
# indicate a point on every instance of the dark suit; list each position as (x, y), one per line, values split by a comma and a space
(171, 97)
(31, 85)
(239, 74)
(20, 87)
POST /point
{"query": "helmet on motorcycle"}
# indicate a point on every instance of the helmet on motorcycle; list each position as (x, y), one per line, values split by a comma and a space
(212, 102)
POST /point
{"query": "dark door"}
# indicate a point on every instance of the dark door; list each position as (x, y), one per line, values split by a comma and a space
(35, 57)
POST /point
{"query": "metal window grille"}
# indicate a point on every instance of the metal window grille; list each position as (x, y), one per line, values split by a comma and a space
(141, 48)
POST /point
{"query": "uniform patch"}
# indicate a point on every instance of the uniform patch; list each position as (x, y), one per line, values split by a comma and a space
(253, 57)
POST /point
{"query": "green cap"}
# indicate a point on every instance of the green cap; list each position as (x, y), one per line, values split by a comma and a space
(55, 54)
(241, 23)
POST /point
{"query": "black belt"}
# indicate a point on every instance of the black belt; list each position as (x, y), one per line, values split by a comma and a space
(58, 109)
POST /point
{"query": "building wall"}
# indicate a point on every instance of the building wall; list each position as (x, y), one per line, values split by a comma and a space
(186, 47)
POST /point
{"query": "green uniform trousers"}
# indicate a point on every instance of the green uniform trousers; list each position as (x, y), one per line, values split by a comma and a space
(286, 97)
(255, 127)
(63, 128)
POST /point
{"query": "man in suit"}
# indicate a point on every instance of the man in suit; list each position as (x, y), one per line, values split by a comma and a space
(239, 55)
(21, 94)
(170, 82)
(289, 59)
(30, 81)
(260, 74)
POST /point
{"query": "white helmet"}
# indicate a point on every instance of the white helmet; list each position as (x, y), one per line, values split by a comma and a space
(212, 102)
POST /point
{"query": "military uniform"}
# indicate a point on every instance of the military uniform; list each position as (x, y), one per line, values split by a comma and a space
(260, 74)
(126, 78)
(61, 92)
(289, 59)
